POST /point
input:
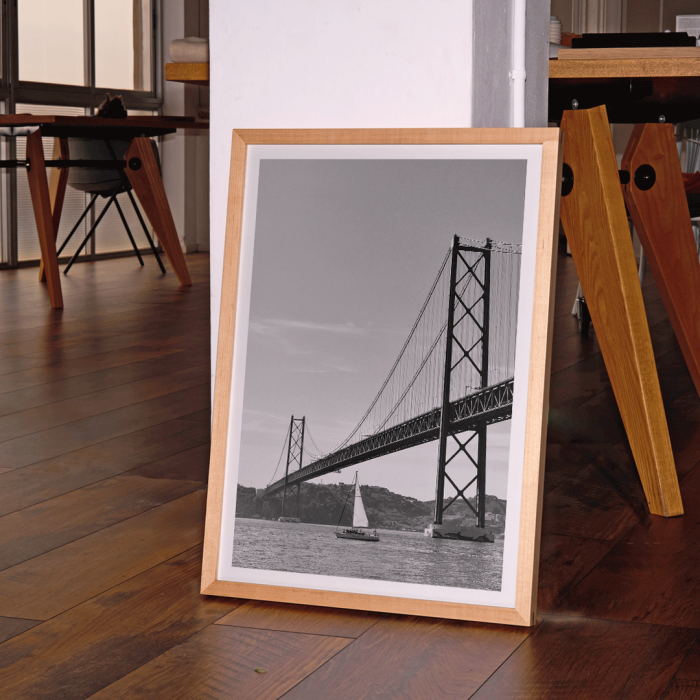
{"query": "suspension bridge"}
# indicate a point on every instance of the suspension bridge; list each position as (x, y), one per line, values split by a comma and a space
(452, 379)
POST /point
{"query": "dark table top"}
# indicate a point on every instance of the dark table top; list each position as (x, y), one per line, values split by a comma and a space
(99, 127)
(632, 90)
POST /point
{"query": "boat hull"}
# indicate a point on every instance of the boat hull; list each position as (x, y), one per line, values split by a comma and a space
(356, 535)
(463, 534)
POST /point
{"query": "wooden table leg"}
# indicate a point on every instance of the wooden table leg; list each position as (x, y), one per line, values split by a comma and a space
(656, 200)
(57, 190)
(41, 203)
(144, 175)
(594, 219)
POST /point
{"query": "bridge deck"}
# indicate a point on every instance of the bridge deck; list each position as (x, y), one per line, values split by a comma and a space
(484, 407)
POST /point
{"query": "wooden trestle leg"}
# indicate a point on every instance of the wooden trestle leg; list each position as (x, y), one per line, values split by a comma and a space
(144, 175)
(656, 200)
(57, 190)
(41, 202)
(593, 214)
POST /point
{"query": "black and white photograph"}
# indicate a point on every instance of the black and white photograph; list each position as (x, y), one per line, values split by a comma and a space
(379, 366)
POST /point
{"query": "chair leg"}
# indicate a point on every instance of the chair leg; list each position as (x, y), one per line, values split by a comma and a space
(90, 233)
(80, 220)
(145, 230)
(128, 231)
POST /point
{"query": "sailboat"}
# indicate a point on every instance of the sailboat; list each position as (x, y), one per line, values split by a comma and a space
(359, 519)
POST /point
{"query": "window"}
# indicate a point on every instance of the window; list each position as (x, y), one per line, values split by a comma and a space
(50, 42)
(61, 58)
(123, 44)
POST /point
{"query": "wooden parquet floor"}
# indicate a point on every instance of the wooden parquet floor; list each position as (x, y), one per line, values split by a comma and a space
(104, 435)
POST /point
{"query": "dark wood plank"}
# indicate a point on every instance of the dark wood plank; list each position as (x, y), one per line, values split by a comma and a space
(190, 465)
(102, 332)
(39, 482)
(603, 501)
(11, 627)
(690, 668)
(62, 389)
(685, 438)
(58, 413)
(84, 365)
(62, 578)
(92, 645)
(73, 436)
(306, 619)
(564, 561)
(100, 319)
(38, 529)
(409, 657)
(651, 575)
(682, 690)
(686, 684)
(583, 659)
(685, 407)
(240, 663)
(202, 416)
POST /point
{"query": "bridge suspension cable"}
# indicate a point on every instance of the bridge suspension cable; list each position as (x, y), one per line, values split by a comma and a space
(413, 384)
(413, 388)
(279, 461)
(319, 452)
(392, 371)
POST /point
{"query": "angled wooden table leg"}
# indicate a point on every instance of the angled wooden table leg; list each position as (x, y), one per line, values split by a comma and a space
(41, 203)
(655, 197)
(144, 175)
(593, 214)
(57, 190)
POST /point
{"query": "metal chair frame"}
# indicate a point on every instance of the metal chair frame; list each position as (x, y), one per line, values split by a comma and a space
(123, 186)
(112, 199)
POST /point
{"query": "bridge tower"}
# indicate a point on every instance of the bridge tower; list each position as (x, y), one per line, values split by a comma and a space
(456, 451)
(295, 454)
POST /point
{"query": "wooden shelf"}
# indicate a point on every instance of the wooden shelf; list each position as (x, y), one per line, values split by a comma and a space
(191, 73)
(625, 68)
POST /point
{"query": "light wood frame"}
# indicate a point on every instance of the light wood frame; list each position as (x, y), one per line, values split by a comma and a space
(523, 612)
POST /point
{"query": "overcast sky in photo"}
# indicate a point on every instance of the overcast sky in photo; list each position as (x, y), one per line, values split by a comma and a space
(345, 253)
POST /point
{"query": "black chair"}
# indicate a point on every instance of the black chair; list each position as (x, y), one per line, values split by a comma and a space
(106, 183)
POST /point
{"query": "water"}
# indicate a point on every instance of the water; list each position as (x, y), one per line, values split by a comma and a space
(408, 557)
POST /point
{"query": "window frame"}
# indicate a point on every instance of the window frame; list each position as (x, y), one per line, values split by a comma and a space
(14, 91)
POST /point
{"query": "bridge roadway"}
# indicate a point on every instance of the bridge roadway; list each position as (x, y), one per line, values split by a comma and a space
(492, 404)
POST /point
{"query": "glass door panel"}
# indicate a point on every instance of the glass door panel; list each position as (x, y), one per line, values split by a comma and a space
(50, 34)
(123, 44)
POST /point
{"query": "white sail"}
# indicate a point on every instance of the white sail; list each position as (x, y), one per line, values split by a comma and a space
(359, 517)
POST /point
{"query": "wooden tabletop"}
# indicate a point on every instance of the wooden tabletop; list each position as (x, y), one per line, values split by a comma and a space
(624, 68)
(634, 90)
(128, 127)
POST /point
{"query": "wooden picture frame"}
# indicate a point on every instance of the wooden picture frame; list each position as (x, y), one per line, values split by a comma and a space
(467, 181)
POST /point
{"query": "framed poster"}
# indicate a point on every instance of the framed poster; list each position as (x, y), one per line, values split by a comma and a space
(382, 373)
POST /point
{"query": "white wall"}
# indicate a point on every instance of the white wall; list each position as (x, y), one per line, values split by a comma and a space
(357, 63)
(185, 153)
